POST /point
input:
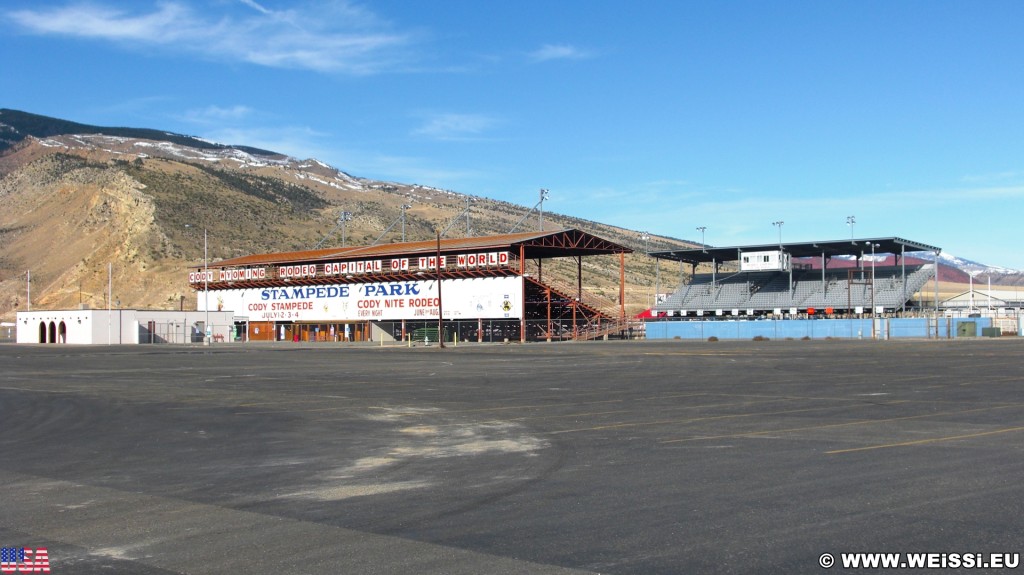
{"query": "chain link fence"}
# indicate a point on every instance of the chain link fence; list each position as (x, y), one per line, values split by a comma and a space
(455, 331)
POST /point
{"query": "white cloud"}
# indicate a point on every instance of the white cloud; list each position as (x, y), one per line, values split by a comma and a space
(455, 127)
(255, 6)
(559, 52)
(99, 22)
(994, 177)
(304, 142)
(934, 216)
(328, 37)
(216, 114)
(414, 170)
(296, 141)
(955, 196)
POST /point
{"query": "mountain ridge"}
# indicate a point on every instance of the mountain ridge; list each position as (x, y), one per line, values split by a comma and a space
(29, 124)
(78, 205)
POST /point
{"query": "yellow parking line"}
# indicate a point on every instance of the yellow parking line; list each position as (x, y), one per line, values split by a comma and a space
(689, 420)
(923, 441)
(697, 353)
(831, 425)
(533, 406)
(982, 381)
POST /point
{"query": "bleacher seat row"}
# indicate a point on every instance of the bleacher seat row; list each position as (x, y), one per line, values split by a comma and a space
(767, 291)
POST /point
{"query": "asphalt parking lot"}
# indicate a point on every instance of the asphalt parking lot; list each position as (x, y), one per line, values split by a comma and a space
(609, 457)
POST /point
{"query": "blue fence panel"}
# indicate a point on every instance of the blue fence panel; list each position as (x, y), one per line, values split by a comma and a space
(908, 327)
(891, 328)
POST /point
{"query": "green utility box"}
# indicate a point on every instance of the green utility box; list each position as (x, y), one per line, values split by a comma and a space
(991, 332)
(967, 329)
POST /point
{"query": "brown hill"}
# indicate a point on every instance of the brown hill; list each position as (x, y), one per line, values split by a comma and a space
(74, 206)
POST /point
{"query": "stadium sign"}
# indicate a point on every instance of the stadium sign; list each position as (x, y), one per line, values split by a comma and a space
(467, 298)
(227, 275)
(361, 267)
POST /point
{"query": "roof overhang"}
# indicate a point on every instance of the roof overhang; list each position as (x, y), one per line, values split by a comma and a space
(828, 249)
(549, 244)
(529, 245)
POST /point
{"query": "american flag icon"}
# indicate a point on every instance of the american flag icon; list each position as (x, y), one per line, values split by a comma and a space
(24, 560)
(12, 555)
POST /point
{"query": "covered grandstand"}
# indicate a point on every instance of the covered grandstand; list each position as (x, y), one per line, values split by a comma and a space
(490, 288)
(841, 278)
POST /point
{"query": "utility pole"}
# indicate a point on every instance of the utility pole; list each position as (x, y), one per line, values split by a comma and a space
(110, 289)
(344, 217)
(404, 207)
(206, 287)
(206, 292)
(543, 196)
(440, 309)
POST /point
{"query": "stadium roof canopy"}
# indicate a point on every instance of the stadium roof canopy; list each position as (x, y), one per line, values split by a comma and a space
(853, 247)
(547, 244)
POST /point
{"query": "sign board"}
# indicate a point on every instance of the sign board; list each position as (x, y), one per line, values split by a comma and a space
(470, 298)
(352, 268)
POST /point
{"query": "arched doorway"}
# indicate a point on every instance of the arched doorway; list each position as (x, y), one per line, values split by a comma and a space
(53, 333)
(42, 332)
(62, 333)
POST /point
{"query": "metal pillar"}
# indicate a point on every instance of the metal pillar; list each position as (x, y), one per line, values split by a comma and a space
(936, 295)
(522, 279)
(903, 277)
(622, 286)
(548, 292)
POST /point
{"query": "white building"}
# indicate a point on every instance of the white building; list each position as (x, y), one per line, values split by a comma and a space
(123, 326)
(988, 303)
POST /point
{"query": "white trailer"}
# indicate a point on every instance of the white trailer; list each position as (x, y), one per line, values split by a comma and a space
(774, 261)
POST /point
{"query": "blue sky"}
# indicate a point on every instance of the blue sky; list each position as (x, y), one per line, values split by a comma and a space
(659, 116)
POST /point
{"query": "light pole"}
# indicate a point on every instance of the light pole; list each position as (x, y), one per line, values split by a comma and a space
(970, 300)
(206, 288)
(779, 224)
(344, 217)
(850, 221)
(440, 309)
(703, 246)
(873, 246)
(543, 196)
(657, 265)
(206, 291)
(990, 295)
(404, 207)
(646, 238)
(110, 291)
